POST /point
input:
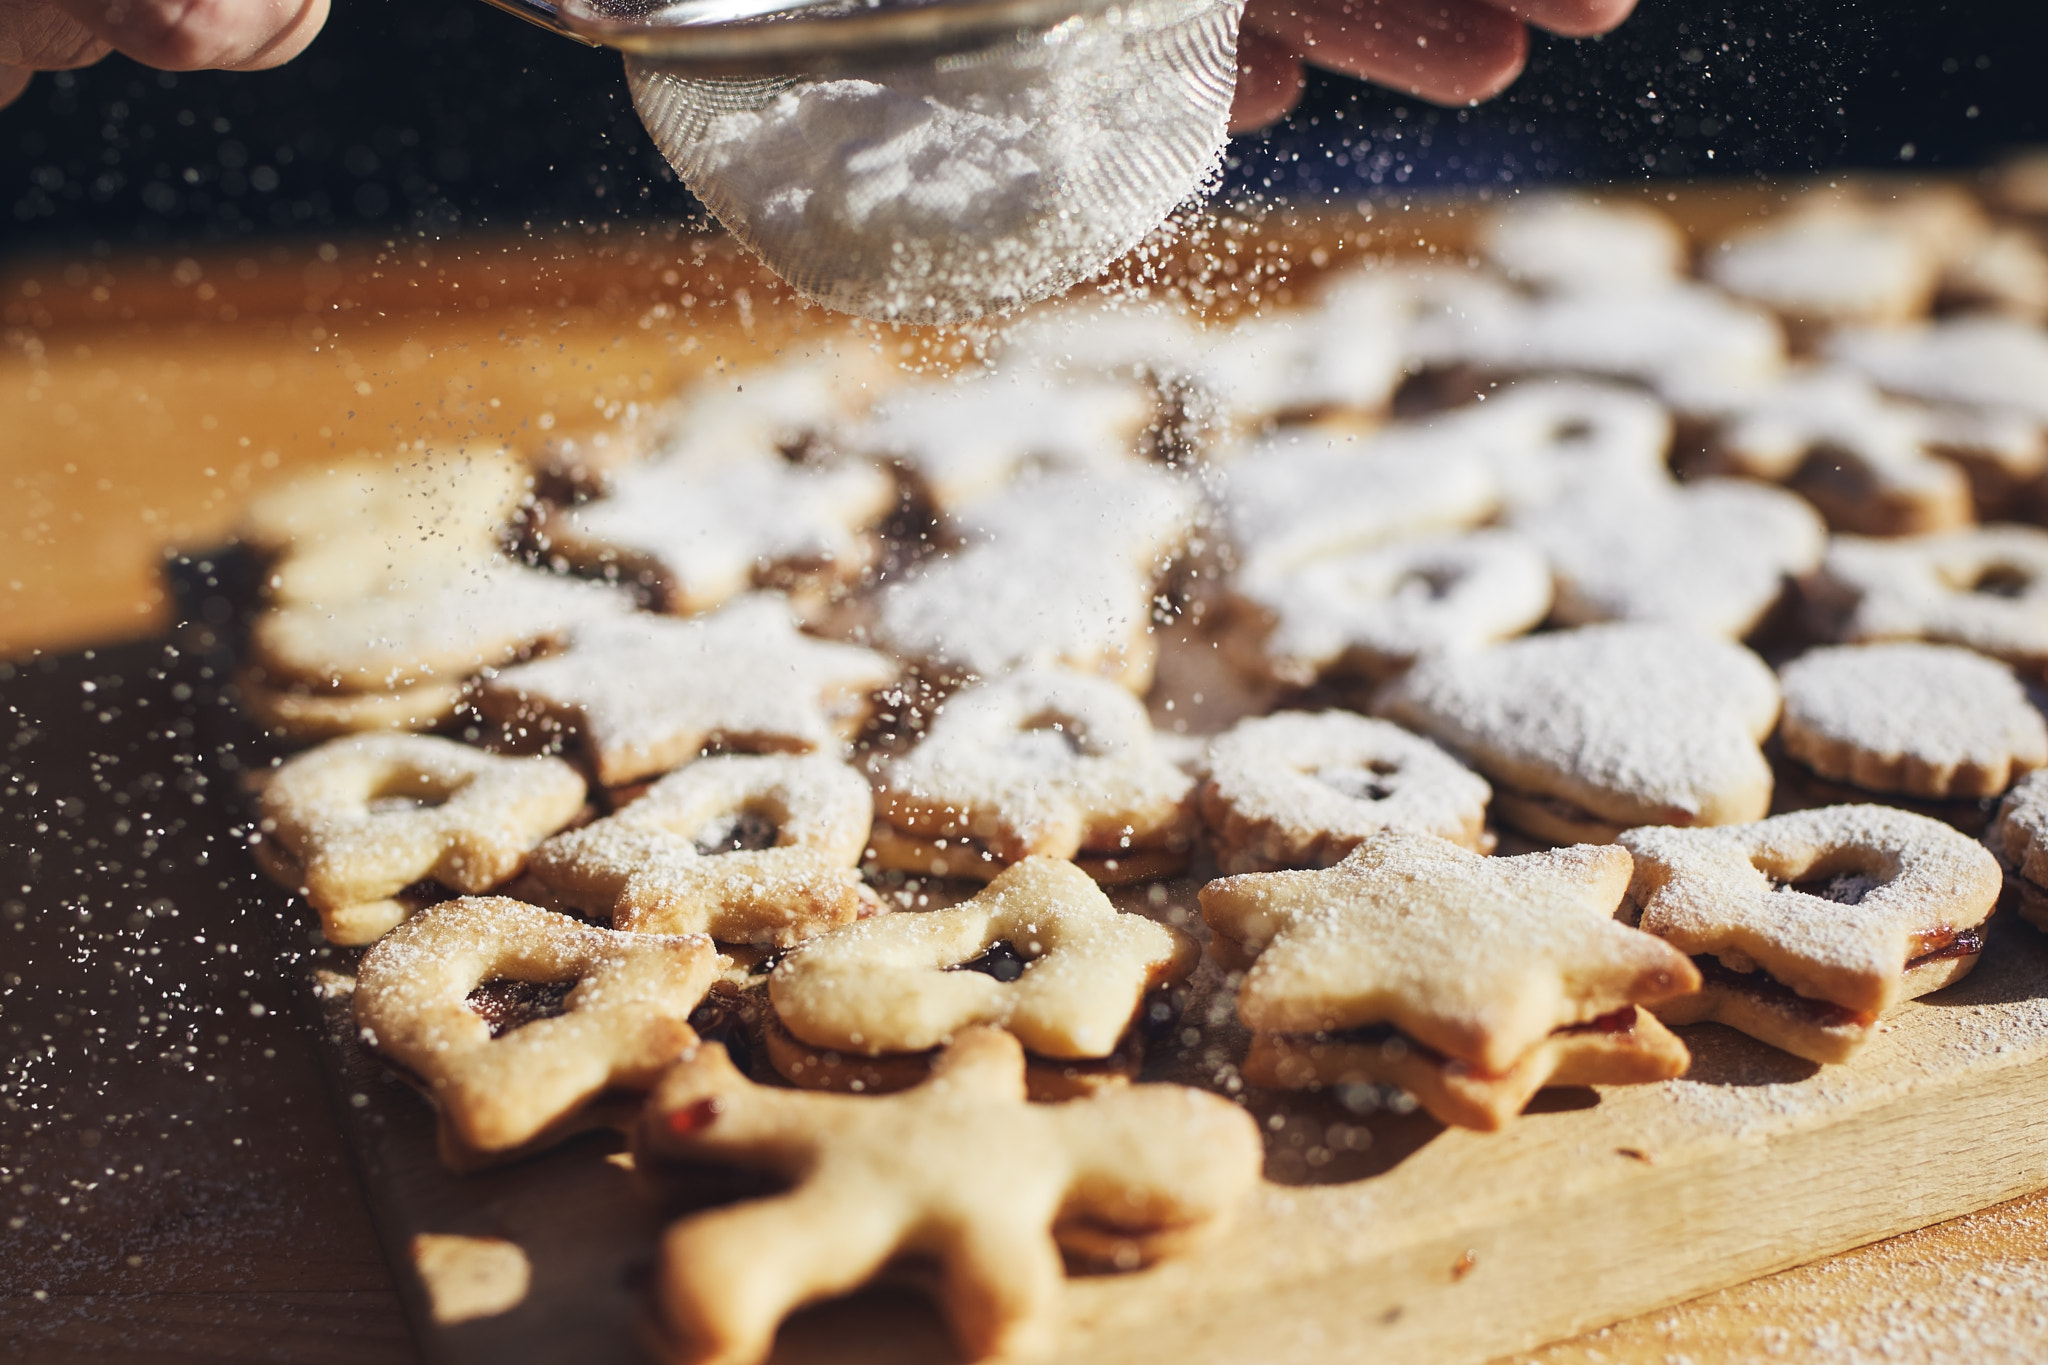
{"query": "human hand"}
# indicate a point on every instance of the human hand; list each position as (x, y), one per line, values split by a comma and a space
(1444, 51)
(174, 35)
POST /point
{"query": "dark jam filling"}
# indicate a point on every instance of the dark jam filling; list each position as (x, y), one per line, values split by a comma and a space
(507, 1005)
(1765, 987)
(1394, 1042)
(1940, 945)
(742, 831)
(1000, 960)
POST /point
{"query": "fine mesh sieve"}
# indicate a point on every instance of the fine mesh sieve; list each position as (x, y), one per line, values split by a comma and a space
(932, 161)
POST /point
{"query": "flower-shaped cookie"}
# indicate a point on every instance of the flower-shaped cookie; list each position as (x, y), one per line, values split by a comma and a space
(1931, 721)
(1413, 945)
(1985, 587)
(1586, 732)
(647, 694)
(1040, 952)
(1713, 556)
(748, 849)
(1373, 612)
(1302, 789)
(2021, 837)
(507, 1073)
(960, 1169)
(1849, 909)
(1043, 761)
(702, 535)
(354, 822)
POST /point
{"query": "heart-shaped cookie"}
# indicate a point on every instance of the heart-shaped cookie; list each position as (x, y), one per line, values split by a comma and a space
(1586, 732)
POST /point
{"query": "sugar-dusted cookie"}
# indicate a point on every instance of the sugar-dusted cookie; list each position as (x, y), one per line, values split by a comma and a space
(697, 537)
(1930, 721)
(1824, 267)
(1628, 1047)
(1577, 242)
(1546, 439)
(443, 629)
(961, 441)
(1058, 569)
(375, 524)
(1871, 465)
(1374, 611)
(2020, 838)
(1478, 961)
(1304, 492)
(645, 694)
(960, 1169)
(307, 717)
(1043, 761)
(1969, 361)
(758, 849)
(1040, 952)
(1985, 587)
(1302, 789)
(351, 824)
(1809, 926)
(1586, 732)
(1714, 556)
(513, 1018)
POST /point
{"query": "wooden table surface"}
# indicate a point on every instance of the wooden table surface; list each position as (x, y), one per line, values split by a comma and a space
(173, 1185)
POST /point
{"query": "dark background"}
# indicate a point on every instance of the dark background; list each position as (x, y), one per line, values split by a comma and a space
(423, 115)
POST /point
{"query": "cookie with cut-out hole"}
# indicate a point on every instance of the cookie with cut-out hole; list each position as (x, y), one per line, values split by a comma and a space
(352, 824)
(698, 537)
(1628, 1047)
(1302, 789)
(514, 1019)
(1371, 613)
(1058, 569)
(1040, 952)
(1808, 927)
(377, 524)
(1586, 732)
(644, 694)
(443, 629)
(1872, 466)
(1479, 960)
(961, 1169)
(2020, 837)
(1713, 556)
(1042, 762)
(1972, 361)
(1985, 588)
(761, 849)
(1930, 721)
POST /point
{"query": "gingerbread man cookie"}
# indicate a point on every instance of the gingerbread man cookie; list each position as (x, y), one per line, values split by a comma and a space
(748, 849)
(645, 694)
(1808, 927)
(960, 1168)
(1985, 587)
(356, 821)
(1302, 789)
(1044, 761)
(1931, 721)
(1373, 612)
(1474, 962)
(1040, 952)
(1586, 732)
(1714, 556)
(513, 1018)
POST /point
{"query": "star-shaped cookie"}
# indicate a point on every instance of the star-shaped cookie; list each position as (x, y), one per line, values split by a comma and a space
(647, 694)
(701, 536)
(1478, 958)
(960, 1168)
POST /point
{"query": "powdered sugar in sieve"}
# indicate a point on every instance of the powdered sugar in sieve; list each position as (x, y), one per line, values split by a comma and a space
(940, 189)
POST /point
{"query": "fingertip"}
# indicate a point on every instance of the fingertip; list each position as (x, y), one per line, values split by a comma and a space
(294, 38)
(203, 35)
(1269, 82)
(13, 80)
(1570, 18)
